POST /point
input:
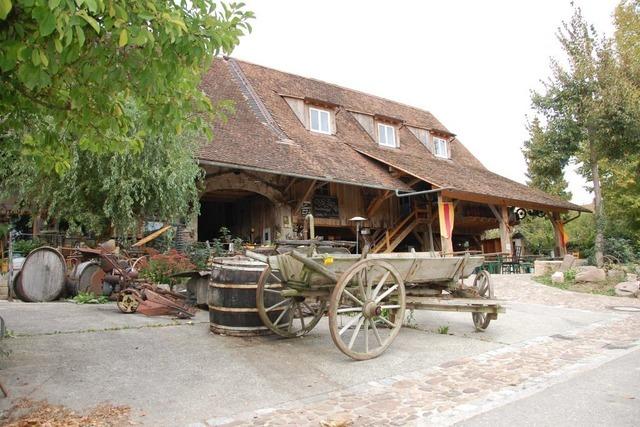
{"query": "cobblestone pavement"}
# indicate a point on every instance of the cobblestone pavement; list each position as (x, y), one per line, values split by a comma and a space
(462, 388)
(521, 288)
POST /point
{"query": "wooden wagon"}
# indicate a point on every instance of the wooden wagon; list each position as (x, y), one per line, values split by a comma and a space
(367, 297)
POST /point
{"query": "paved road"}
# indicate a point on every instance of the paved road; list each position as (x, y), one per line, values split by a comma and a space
(178, 374)
(606, 396)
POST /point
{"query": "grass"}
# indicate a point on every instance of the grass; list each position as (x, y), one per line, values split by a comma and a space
(597, 288)
(89, 298)
(443, 330)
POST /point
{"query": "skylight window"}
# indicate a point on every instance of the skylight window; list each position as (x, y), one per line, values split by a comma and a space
(440, 148)
(320, 121)
(386, 135)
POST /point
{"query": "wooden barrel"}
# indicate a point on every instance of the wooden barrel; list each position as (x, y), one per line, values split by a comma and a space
(42, 277)
(86, 277)
(232, 297)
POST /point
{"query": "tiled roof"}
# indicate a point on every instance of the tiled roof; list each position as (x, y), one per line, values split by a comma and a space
(266, 134)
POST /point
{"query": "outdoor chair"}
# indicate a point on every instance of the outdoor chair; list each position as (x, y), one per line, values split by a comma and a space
(513, 265)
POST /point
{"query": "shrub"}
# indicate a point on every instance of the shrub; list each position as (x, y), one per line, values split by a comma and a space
(570, 275)
(23, 247)
(160, 267)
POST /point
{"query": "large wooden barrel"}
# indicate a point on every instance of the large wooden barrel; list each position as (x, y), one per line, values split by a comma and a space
(86, 277)
(232, 297)
(42, 277)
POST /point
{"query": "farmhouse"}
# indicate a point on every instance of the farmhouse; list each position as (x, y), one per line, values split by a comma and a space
(297, 145)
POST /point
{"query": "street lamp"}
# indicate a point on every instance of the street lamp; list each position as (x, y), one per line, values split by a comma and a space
(358, 220)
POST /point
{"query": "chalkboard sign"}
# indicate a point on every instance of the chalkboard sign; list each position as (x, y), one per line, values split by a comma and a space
(325, 207)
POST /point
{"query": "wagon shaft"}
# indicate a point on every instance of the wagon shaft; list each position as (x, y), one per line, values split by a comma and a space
(468, 305)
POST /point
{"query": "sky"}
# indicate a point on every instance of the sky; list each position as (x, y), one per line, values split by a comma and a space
(472, 64)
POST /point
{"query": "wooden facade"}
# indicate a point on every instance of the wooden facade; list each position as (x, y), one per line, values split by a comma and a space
(262, 207)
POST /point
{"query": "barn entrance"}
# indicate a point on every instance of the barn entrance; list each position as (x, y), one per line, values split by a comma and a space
(247, 215)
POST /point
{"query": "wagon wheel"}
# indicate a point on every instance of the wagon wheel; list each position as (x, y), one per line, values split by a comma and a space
(484, 287)
(288, 317)
(129, 300)
(370, 297)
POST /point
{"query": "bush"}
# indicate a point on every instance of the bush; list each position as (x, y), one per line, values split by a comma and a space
(23, 247)
(620, 248)
(160, 267)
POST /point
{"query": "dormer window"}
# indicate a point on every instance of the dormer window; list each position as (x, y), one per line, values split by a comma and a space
(387, 135)
(319, 120)
(440, 147)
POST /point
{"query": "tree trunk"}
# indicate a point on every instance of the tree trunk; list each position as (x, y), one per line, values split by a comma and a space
(597, 206)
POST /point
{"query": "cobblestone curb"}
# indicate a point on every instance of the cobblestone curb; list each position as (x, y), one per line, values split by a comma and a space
(457, 389)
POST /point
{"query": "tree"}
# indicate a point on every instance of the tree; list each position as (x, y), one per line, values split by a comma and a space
(109, 194)
(69, 68)
(588, 111)
(544, 164)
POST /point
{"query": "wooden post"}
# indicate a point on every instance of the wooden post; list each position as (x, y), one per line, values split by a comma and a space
(430, 219)
(560, 248)
(502, 216)
(505, 231)
(446, 242)
(36, 225)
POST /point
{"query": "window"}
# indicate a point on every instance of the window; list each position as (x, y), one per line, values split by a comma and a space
(386, 135)
(320, 120)
(440, 148)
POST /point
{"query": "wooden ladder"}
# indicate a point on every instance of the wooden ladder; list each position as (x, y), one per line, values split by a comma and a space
(392, 237)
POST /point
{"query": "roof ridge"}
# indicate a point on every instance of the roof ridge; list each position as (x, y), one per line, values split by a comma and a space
(255, 103)
(443, 128)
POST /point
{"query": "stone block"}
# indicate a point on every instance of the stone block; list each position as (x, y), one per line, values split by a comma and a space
(628, 289)
(567, 263)
(543, 268)
(617, 275)
(595, 275)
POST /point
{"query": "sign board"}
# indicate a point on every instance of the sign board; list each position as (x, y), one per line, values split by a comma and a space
(305, 209)
(325, 207)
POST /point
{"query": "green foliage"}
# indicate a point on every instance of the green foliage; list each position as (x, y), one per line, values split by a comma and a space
(443, 330)
(623, 250)
(23, 247)
(225, 237)
(161, 267)
(581, 234)
(570, 275)
(198, 253)
(589, 115)
(538, 235)
(70, 68)
(4, 230)
(569, 284)
(89, 298)
(544, 163)
(102, 191)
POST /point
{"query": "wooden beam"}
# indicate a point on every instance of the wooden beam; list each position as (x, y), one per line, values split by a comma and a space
(152, 236)
(418, 238)
(484, 199)
(502, 215)
(307, 194)
(377, 203)
(413, 182)
(288, 187)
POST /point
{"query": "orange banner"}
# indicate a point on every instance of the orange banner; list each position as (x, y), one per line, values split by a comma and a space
(446, 215)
